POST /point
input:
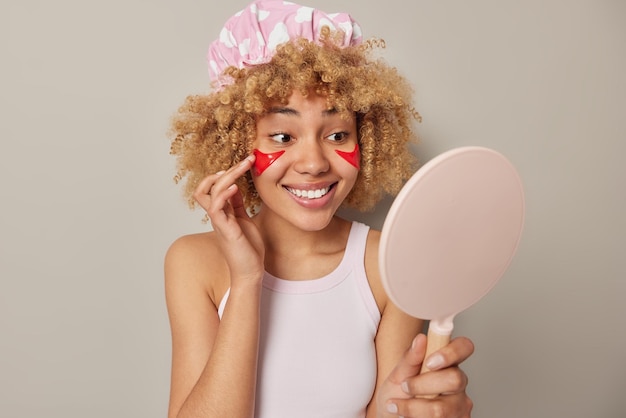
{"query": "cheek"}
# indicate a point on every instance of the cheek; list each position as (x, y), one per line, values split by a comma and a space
(353, 157)
(263, 160)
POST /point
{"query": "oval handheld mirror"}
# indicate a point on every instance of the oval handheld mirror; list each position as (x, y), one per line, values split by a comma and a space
(450, 235)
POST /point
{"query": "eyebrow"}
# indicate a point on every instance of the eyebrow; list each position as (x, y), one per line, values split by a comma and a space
(284, 110)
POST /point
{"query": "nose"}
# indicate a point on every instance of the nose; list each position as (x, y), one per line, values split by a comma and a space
(311, 158)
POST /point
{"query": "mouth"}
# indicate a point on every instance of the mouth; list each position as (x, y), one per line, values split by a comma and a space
(310, 193)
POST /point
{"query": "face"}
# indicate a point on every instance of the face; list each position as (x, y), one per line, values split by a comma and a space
(307, 161)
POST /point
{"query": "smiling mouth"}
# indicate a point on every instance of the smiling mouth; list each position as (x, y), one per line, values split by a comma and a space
(310, 194)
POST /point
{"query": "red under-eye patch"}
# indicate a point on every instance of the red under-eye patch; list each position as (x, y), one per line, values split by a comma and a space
(264, 160)
(352, 157)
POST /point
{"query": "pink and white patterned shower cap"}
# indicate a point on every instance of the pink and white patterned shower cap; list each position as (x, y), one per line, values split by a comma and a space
(251, 36)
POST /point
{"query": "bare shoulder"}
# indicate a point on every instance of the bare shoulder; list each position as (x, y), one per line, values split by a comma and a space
(195, 246)
(195, 262)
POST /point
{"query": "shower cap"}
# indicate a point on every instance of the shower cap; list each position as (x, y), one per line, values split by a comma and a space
(251, 36)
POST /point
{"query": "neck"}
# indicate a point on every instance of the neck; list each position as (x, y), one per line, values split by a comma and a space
(293, 253)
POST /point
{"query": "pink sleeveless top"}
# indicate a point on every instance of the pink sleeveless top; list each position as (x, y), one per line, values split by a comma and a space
(317, 356)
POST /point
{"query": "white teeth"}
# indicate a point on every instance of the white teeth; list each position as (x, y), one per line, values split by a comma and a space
(309, 194)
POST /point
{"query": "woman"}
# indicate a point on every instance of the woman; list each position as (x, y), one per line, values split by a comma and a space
(279, 311)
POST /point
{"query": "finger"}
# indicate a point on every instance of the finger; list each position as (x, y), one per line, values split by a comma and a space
(202, 192)
(221, 203)
(235, 172)
(456, 352)
(447, 381)
(229, 178)
(214, 190)
(236, 202)
(205, 185)
(410, 363)
(453, 406)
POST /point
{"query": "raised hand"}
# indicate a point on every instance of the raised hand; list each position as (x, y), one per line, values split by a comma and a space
(239, 238)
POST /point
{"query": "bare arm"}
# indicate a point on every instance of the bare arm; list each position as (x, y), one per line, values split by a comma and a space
(401, 390)
(214, 362)
(396, 329)
(395, 333)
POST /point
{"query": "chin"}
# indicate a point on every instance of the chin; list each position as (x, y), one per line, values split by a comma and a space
(313, 222)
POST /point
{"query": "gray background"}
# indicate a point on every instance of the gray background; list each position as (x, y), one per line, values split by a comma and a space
(89, 206)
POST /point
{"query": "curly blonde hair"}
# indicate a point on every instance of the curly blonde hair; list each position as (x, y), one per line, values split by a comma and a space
(215, 131)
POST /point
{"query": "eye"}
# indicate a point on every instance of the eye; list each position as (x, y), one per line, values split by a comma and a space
(337, 136)
(281, 138)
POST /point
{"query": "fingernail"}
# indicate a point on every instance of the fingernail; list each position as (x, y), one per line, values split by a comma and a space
(414, 343)
(405, 387)
(435, 361)
(392, 408)
(219, 173)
